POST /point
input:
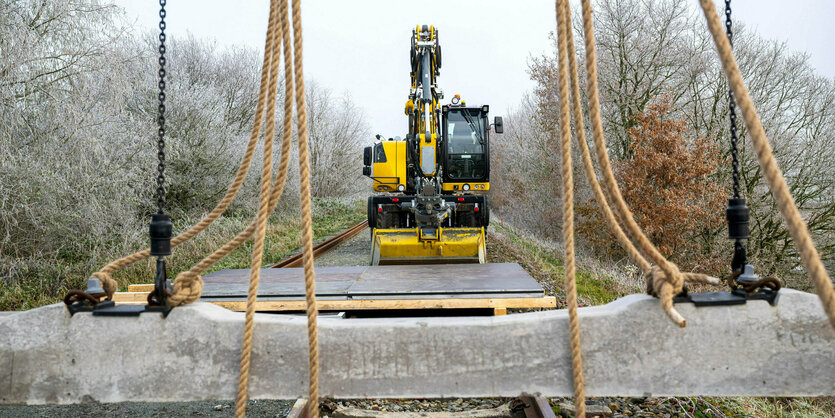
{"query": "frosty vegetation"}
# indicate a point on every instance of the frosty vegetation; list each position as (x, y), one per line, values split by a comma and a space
(653, 52)
(78, 102)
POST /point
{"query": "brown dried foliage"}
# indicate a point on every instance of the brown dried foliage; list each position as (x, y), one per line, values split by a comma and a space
(669, 183)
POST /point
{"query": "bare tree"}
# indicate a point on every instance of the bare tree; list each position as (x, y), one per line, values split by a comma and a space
(337, 133)
(647, 49)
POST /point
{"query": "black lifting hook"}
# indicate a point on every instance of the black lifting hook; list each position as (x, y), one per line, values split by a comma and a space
(160, 230)
(737, 216)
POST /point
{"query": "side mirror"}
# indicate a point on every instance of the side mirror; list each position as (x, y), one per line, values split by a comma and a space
(366, 171)
(367, 156)
(378, 136)
(497, 125)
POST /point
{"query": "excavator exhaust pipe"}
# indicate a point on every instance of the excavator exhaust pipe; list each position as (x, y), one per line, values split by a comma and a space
(428, 246)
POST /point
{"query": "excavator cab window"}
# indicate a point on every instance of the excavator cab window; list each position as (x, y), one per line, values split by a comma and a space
(379, 153)
(465, 145)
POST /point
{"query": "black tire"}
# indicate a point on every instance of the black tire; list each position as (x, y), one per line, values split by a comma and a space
(372, 214)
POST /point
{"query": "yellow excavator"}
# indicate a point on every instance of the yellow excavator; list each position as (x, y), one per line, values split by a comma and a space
(431, 205)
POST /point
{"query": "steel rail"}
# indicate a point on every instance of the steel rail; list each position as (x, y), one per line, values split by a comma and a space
(295, 260)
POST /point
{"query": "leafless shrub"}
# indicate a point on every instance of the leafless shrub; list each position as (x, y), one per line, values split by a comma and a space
(337, 135)
(78, 108)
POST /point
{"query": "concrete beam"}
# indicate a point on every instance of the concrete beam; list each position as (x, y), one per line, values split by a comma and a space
(629, 349)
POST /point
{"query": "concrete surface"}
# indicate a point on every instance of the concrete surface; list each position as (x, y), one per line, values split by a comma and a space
(630, 349)
(259, 408)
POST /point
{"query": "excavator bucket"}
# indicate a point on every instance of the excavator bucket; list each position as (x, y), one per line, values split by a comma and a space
(427, 245)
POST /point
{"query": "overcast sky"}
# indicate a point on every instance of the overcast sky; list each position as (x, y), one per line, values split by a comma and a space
(361, 47)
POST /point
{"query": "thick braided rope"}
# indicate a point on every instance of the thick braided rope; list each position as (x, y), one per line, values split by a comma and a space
(188, 285)
(580, 132)
(776, 182)
(109, 284)
(260, 225)
(601, 193)
(673, 280)
(307, 229)
(568, 213)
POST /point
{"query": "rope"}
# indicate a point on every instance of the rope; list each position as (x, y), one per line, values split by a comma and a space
(269, 198)
(568, 213)
(669, 281)
(601, 193)
(260, 230)
(768, 282)
(188, 284)
(580, 131)
(109, 284)
(307, 229)
(776, 183)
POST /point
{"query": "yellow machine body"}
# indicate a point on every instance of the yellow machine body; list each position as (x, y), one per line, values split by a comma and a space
(388, 169)
(419, 246)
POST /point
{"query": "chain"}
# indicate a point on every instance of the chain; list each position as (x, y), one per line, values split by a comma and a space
(740, 257)
(732, 109)
(161, 118)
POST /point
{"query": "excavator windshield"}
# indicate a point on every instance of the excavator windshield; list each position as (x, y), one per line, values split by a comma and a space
(465, 144)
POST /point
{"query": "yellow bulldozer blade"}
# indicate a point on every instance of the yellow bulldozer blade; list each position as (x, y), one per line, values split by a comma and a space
(416, 246)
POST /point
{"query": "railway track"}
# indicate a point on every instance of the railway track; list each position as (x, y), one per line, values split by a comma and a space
(295, 260)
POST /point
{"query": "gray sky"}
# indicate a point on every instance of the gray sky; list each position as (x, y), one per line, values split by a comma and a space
(361, 47)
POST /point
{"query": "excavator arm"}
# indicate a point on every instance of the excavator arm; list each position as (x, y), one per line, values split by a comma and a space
(422, 108)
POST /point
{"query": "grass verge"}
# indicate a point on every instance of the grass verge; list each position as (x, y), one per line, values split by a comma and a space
(38, 281)
(544, 261)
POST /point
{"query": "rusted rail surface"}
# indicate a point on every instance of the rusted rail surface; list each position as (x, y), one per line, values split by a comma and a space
(295, 260)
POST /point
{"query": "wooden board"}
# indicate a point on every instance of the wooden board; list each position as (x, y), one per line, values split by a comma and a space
(369, 304)
(496, 286)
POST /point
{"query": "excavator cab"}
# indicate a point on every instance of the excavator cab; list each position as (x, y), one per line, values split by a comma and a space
(465, 147)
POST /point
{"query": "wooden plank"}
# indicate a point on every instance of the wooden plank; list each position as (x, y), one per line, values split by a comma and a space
(131, 296)
(499, 311)
(543, 408)
(299, 409)
(140, 287)
(374, 304)
(370, 304)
